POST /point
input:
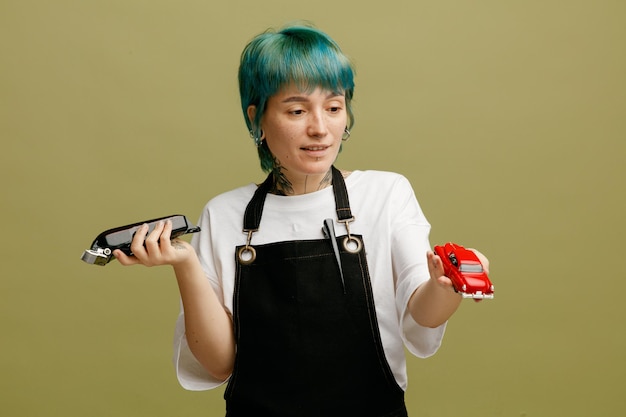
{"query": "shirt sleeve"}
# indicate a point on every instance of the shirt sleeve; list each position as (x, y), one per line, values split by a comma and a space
(190, 373)
(409, 245)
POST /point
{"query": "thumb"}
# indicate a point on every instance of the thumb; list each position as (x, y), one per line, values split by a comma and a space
(435, 265)
(124, 259)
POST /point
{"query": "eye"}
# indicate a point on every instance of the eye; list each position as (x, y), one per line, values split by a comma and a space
(296, 112)
(335, 110)
(335, 106)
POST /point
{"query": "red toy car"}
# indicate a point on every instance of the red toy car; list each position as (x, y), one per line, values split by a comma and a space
(463, 267)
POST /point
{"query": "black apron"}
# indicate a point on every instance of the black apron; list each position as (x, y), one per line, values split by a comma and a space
(308, 342)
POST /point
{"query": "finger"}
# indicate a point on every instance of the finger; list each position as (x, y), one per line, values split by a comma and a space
(163, 243)
(152, 240)
(136, 246)
(435, 265)
(125, 259)
(166, 235)
(436, 269)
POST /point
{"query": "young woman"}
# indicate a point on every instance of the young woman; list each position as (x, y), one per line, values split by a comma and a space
(302, 292)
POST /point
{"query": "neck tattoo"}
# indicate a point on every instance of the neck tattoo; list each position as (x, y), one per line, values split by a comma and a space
(282, 185)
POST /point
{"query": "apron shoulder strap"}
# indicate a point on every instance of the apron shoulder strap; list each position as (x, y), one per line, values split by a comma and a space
(254, 210)
(342, 204)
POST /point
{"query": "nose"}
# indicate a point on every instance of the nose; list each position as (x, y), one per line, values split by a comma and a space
(317, 125)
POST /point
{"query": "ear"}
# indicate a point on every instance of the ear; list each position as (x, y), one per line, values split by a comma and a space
(251, 111)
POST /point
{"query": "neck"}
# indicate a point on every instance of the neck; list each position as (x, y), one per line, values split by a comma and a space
(284, 185)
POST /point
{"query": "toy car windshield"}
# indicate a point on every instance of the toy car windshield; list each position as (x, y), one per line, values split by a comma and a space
(477, 268)
(101, 252)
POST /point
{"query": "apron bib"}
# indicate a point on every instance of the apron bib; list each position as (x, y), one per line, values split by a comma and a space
(308, 342)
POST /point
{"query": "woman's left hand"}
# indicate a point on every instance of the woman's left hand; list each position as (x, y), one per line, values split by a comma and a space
(436, 270)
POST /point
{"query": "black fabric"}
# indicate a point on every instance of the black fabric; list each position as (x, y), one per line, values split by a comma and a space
(305, 347)
(342, 204)
(254, 210)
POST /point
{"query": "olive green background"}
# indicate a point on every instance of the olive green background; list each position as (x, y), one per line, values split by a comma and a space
(508, 117)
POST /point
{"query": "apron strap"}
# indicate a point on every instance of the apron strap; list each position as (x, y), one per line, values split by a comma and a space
(254, 210)
(342, 204)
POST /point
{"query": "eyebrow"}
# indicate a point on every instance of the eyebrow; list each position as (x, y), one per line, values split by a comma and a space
(300, 99)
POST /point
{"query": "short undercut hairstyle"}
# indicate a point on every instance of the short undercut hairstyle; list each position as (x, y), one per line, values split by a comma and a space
(302, 55)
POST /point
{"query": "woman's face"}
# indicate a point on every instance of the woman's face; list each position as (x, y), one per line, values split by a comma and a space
(303, 130)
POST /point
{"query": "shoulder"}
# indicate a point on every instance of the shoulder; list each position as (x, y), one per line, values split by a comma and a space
(383, 191)
(233, 198)
(383, 181)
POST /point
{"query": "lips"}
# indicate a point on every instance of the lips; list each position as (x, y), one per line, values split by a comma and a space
(314, 148)
(316, 151)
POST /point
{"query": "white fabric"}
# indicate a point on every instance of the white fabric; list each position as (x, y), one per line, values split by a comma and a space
(395, 235)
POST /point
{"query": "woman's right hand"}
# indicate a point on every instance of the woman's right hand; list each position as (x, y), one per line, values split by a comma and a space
(158, 248)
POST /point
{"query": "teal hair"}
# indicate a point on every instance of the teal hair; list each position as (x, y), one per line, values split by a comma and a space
(302, 55)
